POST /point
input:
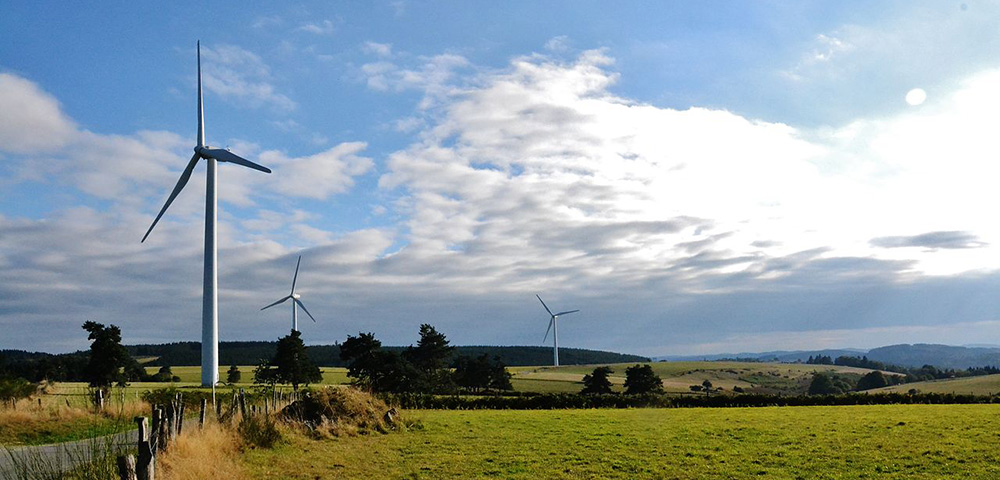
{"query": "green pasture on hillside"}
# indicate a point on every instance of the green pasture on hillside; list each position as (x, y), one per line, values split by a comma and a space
(981, 385)
(885, 442)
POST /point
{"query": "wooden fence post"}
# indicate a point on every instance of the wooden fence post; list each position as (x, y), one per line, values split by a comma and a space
(144, 465)
(201, 415)
(180, 415)
(126, 467)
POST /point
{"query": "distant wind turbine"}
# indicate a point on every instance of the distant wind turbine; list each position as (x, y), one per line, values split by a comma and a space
(210, 305)
(554, 326)
(294, 297)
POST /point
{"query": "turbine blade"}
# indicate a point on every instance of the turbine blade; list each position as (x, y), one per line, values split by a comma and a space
(564, 313)
(299, 303)
(543, 304)
(224, 155)
(278, 302)
(181, 182)
(201, 104)
(553, 319)
(296, 273)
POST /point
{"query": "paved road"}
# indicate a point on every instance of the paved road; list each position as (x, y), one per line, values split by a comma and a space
(15, 462)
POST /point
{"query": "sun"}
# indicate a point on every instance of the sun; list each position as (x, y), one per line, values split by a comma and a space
(916, 96)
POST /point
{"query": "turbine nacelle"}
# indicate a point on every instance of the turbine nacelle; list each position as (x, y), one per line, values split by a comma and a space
(296, 296)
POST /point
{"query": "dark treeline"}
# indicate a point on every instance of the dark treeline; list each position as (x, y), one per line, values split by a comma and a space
(570, 400)
(35, 367)
(926, 372)
(250, 353)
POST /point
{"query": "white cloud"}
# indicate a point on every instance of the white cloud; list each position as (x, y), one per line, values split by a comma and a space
(239, 75)
(378, 49)
(318, 176)
(324, 27)
(30, 119)
(557, 44)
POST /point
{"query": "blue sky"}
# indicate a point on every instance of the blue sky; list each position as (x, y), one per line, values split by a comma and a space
(695, 177)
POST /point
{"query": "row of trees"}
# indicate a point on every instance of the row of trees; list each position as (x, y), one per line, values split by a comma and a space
(639, 379)
(833, 384)
(421, 369)
(924, 373)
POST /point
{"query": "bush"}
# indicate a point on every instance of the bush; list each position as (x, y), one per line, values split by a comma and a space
(342, 411)
(259, 431)
(13, 389)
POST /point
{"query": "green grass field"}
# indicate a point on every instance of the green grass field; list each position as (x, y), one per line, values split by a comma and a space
(894, 441)
(679, 376)
(983, 385)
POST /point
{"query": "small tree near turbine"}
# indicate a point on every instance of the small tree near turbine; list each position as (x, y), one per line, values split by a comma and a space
(233, 375)
(641, 379)
(291, 362)
(107, 355)
(597, 382)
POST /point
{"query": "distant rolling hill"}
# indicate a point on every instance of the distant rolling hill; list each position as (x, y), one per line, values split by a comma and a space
(916, 355)
(250, 353)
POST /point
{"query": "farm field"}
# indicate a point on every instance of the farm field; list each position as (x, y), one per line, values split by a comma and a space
(679, 376)
(982, 385)
(894, 441)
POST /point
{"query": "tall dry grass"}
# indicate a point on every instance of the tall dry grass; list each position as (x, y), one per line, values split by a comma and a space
(208, 453)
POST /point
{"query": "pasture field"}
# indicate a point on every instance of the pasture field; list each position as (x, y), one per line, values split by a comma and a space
(886, 441)
(679, 376)
(982, 385)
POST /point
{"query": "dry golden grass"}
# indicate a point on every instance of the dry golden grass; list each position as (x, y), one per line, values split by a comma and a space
(50, 418)
(209, 453)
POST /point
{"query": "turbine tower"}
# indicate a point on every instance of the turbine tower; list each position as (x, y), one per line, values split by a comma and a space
(554, 326)
(210, 305)
(294, 297)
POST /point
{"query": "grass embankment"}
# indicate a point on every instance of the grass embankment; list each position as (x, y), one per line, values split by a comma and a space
(893, 441)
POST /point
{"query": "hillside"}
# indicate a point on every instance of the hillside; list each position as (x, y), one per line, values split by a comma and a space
(915, 356)
(250, 353)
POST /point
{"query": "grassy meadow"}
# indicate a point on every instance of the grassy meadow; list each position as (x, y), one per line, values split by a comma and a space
(982, 385)
(888, 441)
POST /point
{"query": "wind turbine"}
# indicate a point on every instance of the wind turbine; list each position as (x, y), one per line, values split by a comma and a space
(210, 305)
(294, 297)
(554, 326)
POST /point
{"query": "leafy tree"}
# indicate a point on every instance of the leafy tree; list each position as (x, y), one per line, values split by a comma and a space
(825, 384)
(233, 375)
(481, 373)
(165, 375)
(107, 355)
(707, 386)
(363, 354)
(642, 379)
(134, 372)
(291, 362)
(12, 389)
(265, 374)
(872, 380)
(597, 382)
(432, 351)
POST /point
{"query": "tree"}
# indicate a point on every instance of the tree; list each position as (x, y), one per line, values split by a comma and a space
(641, 379)
(233, 375)
(431, 357)
(291, 362)
(13, 389)
(824, 384)
(432, 351)
(107, 355)
(597, 382)
(362, 352)
(481, 373)
(707, 386)
(872, 380)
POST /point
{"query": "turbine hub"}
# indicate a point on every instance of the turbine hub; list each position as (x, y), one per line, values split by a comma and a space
(296, 296)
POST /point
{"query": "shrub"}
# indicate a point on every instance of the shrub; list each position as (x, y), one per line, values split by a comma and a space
(259, 431)
(342, 411)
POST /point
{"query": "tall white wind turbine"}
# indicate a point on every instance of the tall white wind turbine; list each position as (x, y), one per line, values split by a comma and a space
(294, 297)
(554, 326)
(210, 305)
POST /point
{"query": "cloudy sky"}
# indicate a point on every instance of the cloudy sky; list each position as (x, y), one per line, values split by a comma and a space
(695, 177)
